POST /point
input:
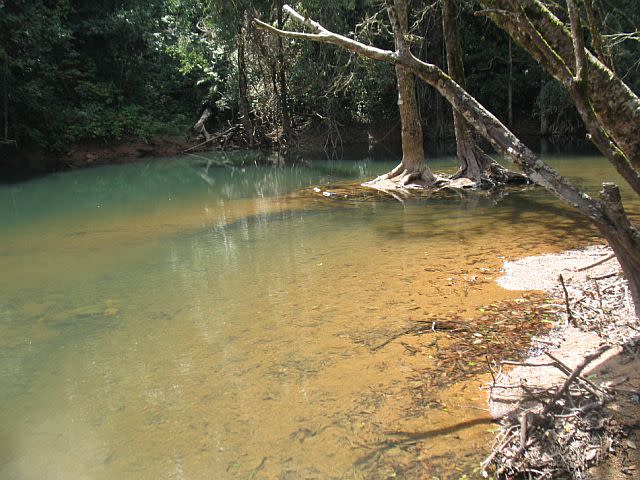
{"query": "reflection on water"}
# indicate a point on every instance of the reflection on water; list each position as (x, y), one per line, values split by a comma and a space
(158, 324)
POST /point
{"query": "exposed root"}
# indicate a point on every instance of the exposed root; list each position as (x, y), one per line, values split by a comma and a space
(402, 180)
(493, 176)
(486, 172)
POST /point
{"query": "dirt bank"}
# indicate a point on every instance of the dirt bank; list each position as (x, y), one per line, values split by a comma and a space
(100, 152)
(17, 164)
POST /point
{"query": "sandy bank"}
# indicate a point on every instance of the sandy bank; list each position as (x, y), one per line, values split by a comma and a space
(594, 313)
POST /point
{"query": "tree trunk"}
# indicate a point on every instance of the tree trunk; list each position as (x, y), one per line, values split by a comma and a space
(623, 238)
(474, 163)
(413, 169)
(607, 214)
(5, 97)
(617, 109)
(243, 97)
(200, 128)
(510, 87)
(283, 97)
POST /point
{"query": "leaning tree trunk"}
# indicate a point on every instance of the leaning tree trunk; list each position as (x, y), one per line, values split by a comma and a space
(607, 214)
(413, 169)
(475, 164)
(200, 126)
(608, 107)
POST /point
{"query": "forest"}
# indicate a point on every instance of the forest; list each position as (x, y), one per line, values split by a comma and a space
(312, 233)
(110, 71)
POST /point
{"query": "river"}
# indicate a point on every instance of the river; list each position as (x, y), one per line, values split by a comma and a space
(173, 320)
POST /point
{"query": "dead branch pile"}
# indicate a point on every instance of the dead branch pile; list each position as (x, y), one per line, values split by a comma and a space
(601, 304)
(561, 431)
(566, 431)
(229, 138)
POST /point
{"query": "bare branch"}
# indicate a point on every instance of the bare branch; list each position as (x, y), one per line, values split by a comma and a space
(596, 37)
(574, 375)
(323, 35)
(314, 37)
(483, 121)
(580, 73)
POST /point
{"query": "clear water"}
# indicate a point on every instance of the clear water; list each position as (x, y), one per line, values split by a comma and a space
(163, 320)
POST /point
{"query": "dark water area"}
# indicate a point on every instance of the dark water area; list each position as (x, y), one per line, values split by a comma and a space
(17, 165)
(391, 149)
(206, 317)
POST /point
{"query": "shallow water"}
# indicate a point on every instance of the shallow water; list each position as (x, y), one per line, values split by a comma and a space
(165, 320)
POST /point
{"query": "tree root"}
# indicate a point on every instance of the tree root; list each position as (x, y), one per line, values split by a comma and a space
(400, 181)
(486, 172)
(403, 178)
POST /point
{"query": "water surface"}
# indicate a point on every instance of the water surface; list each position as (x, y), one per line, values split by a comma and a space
(170, 320)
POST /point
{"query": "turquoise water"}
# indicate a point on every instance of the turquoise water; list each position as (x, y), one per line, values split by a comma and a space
(171, 319)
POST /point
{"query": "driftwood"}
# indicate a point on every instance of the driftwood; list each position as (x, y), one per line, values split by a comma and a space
(599, 262)
(424, 327)
(573, 378)
(221, 140)
(550, 438)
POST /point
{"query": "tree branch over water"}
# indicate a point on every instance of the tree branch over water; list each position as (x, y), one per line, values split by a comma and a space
(623, 236)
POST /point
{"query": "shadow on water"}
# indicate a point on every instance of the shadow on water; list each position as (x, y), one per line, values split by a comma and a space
(404, 439)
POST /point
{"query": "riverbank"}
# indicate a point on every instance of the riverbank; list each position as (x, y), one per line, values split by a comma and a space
(18, 164)
(586, 426)
(379, 141)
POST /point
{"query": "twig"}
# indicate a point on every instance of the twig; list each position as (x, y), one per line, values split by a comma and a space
(527, 364)
(599, 262)
(595, 283)
(575, 374)
(567, 371)
(606, 275)
(432, 326)
(507, 438)
(570, 319)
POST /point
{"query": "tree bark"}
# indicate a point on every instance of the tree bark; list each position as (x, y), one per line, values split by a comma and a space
(607, 214)
(475, 164)
(609, 105)
(510, 86)
(413, 169)
(243, 97)
(282, 75)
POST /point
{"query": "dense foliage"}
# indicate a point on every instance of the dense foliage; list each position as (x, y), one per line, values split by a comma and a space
(85, 69)
(78, 70)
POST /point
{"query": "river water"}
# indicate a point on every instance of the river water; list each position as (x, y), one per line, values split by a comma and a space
(169, 320)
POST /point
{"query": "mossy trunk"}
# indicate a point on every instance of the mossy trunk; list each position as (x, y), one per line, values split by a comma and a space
(475, 165)
(413, 168)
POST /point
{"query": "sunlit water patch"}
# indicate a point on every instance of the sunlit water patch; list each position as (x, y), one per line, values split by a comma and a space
(173, 320)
